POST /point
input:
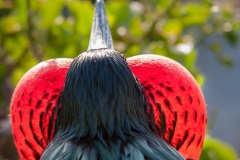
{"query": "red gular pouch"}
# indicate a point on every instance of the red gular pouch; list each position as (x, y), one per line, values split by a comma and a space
(33, 106)
(177, 110)
(176, 102)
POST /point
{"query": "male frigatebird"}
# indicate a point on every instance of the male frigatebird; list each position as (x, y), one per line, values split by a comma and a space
(102, 106)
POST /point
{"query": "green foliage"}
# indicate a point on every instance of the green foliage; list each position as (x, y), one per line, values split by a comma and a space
(214, 149)
(42, 29)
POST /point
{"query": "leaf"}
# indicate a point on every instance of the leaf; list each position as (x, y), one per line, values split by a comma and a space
(194, 14)
(216, 47)
(22, 69)
(21, 11)
(214, 149)
(82, 13)
(118, 13)
(172, 27)
(158, 47)
(190, 59)
(232, 37)
(9, 25)
(133, 50)
(4, 12)
(200, 79)
(135, 27)
(14, 51)
(224, 59)
(227, 61)
(49, 10)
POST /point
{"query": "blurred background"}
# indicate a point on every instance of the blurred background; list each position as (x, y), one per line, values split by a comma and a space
(203, 35)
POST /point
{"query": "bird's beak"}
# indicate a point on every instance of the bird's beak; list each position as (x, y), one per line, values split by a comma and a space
(100, 35)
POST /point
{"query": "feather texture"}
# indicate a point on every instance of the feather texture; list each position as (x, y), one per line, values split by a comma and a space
(112, 149)
(104, 113)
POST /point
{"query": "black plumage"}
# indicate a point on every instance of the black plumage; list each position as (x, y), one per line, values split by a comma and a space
(104, 114)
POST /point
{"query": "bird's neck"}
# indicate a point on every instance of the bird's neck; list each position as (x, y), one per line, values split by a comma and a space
(101, 97)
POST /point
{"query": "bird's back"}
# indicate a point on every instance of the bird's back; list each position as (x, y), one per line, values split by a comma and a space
(113, 149)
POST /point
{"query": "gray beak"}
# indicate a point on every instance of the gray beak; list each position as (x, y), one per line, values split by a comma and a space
(100, 35)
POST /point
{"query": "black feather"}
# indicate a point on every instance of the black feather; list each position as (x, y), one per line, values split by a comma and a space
(103, 114)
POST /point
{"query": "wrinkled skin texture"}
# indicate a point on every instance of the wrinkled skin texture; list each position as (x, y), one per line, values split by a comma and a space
(32, 106)
(176, 104)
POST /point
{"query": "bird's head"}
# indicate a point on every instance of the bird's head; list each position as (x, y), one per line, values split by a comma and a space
(101, 96)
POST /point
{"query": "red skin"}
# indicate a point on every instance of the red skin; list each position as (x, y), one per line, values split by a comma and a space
(180, 98)
(43, 82)
(171, 85)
